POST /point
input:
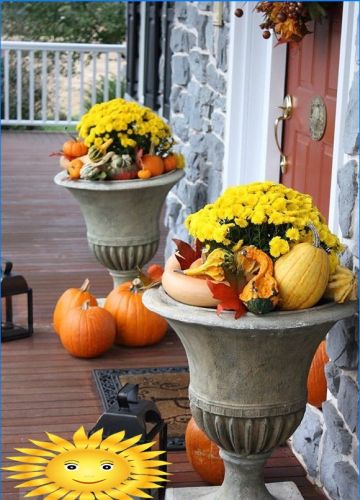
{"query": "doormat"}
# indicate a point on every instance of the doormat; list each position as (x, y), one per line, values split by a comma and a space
(167, 387)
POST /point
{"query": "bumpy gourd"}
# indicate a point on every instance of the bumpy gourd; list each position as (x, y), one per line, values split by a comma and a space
(342, 285)
(302, 274)
(260, 294)
(249, 267)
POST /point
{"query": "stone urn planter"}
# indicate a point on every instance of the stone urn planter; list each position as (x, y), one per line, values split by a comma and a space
(122, 219)
(247, 380)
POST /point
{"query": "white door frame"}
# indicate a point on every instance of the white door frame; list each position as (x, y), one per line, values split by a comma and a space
(347, 69)
(256, 82)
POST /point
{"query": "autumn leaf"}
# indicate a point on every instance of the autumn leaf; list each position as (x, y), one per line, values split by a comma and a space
(228, 296)
(186, 254)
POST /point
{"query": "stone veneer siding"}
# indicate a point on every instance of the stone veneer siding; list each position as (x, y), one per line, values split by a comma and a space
(198, 106)
(326, 440)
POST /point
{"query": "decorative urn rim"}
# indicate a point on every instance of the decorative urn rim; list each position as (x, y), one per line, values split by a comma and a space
(157, 300)
(61, 179)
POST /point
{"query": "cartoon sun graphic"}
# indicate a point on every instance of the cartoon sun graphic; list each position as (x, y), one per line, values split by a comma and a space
(89, 468)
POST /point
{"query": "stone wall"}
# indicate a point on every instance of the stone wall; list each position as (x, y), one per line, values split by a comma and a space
(326, 440)
(199, 67)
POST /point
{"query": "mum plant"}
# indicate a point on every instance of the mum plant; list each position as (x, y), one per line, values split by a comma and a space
(123, 141)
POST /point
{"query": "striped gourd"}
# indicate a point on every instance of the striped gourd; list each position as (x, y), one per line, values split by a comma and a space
(96, 153)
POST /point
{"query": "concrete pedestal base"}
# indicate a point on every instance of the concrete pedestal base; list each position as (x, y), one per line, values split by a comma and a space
(280, 491)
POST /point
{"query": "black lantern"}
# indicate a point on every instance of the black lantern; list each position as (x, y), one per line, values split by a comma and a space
(14, 285)
(135, 416)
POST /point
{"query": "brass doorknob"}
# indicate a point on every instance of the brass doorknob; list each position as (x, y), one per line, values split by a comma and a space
(287, 109)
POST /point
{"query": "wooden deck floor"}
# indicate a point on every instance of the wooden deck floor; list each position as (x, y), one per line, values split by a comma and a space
(44, 388)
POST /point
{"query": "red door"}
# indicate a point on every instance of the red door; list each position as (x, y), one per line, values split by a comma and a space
(312, 72)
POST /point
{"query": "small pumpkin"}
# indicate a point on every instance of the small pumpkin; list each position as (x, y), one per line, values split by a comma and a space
(203, 454)
(316, 382)
(153, 163)
(260, 295)
(135, 324)
(74, 148)
(72, 297)
(65, 162)
(87, 332)
(74, 168)
(144, 173)
(170, 163)
(302, 274)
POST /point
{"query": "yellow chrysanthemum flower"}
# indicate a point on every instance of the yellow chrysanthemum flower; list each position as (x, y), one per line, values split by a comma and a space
(258, 217)
(293, 234)
(278, 246)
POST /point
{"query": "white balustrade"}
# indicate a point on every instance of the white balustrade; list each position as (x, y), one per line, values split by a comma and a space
(55, 83)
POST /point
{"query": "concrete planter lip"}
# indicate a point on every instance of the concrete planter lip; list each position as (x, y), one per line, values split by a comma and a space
(157, 300)
(174, 176)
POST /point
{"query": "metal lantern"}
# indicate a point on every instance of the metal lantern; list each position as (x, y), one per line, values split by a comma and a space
(12, 285)
(135, 416)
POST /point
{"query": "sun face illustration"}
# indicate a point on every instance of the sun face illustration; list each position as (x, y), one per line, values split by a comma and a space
(89, 468)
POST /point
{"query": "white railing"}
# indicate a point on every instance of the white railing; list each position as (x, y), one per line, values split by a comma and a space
(55, 83)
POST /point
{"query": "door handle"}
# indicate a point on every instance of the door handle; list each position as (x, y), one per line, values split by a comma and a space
(287, 109)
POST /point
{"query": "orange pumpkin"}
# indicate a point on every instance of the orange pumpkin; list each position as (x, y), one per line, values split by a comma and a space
(74, 168)
(316, 382)
(135, 324)
(87, 332)
(72, 297)
(153, 163)
(73, 148)
(170, 163)
(203, 454)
